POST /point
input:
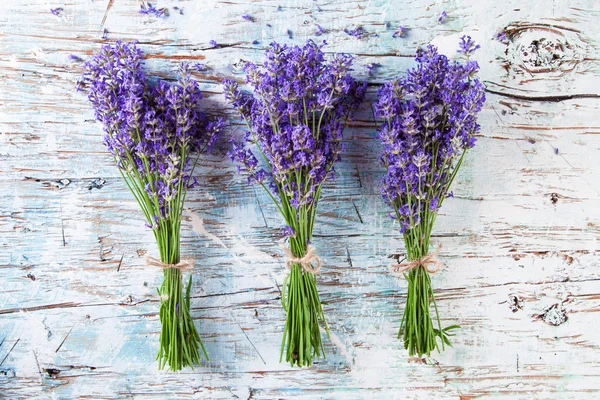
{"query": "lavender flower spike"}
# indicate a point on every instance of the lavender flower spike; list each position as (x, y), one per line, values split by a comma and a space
(467, 46)
(155, 133)
(430, 121)
(295, 119)
(442, 18)
(288, 231)
(148, 9)
(358, 32)
(249, 18)
(400, 32)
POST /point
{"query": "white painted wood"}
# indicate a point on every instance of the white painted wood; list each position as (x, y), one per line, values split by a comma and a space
(521, 238)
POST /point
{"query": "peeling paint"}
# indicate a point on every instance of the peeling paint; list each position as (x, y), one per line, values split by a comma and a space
(78, 305)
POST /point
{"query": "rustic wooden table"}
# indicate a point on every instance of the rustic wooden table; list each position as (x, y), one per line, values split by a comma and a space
(78, 308)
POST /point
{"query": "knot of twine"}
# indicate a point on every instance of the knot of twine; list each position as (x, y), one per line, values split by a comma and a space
(429, 262)
(183, 265)
(305, 262)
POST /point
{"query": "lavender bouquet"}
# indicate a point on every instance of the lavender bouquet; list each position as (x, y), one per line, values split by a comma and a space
(430, 122)
(295, 121)
(155, 134)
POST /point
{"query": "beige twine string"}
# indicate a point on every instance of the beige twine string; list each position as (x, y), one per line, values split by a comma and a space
(430, 263)
(305, 262)
(183, 265)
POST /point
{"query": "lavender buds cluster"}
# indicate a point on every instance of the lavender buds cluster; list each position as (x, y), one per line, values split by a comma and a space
(430, 121)
(155, 134)
(295, 119)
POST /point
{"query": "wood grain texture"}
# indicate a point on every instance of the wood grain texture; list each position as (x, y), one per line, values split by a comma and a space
(78, 309)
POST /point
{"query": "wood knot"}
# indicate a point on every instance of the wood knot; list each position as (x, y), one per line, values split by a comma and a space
(8, 372)
(554, 315)
(515, 303)
(53, 372)
(547, 54)
(542, 49)
(97, 183)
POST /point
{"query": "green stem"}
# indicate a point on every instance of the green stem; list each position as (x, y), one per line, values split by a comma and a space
(416, 328)
(180, 343)
(301, 339)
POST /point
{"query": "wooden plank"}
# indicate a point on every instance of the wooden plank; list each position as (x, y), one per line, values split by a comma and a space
(78, 308)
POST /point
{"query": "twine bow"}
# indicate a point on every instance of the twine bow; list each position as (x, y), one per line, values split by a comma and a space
(305, 262)
(183, 265)
(429, 262)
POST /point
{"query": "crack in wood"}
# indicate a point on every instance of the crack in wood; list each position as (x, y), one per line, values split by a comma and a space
(357, 212)
(543, 98)
(63, 341)
(10, 351)
(246, 335)
(108, 6)
(62, 225)
(260, 207)
(37, 362)
(349, 259)
(67, 305)
(360, 185)
(276, 284)
(120, 262)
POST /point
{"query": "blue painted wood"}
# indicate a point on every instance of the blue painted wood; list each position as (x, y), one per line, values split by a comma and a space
(78, 308)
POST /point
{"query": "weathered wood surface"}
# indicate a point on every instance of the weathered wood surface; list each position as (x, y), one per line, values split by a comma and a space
(78, 309)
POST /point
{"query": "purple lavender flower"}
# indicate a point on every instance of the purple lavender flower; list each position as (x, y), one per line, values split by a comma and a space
(155, 133)
(58, 11)
(152, 131)
(501, 37)
(73, 57)
(295, 118)
(442, 18)
(248, 17)
(358, 32)
(319, 31)
(290, 34)
(288, 231)
(200, 67)
(430, 121)
(213, 43)
(467, 46)
(372, 67)
(148, 9)
(400, 32)
(104, 33)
